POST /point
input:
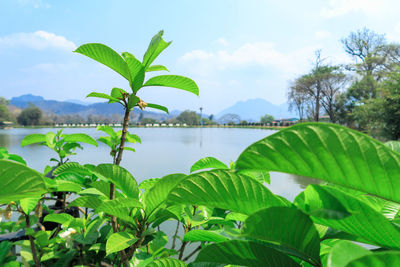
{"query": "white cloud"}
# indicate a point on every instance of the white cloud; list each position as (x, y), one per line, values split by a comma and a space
(221, 41)
(262, 54)
(39, 40)
(342, 7)
(320, 35)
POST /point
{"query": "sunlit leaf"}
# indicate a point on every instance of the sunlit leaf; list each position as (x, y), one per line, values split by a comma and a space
(19, 181)
(159, 107)
(379, 259)
(81, 138)
(204, 235)
(156, 46)
(106, 56)
(328, 152)
(156, 68)
(244, 253)
(224, 189)
(33, 139)
(119, 241)
(344, 252)
(208, 163)
(174, 81)
(167, 262)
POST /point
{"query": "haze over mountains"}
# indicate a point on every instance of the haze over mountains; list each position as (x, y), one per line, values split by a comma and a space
(250, 110)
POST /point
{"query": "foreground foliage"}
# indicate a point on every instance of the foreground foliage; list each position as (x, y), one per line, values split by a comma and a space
(228, 213)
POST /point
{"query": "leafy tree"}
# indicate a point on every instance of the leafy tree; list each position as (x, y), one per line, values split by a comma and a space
(32, 115)
(5, 114)
(189, 117)
(229, 119)
(267, 118)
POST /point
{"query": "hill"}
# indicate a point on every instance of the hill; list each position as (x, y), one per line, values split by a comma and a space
(69, 108)
(253, 109)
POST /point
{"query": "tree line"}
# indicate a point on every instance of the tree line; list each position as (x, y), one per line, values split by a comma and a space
(363, 94)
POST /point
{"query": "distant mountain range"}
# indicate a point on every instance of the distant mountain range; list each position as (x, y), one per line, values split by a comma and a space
(83, 109)
(253, 109)
(250, 110)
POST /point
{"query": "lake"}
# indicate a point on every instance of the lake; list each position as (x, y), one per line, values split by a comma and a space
(163, 151)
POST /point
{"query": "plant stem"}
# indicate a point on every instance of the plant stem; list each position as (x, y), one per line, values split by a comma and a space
(34, 255)
(123, 136)
(174, 237)
(192, 253)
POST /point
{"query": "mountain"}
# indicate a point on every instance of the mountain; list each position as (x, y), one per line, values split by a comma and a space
(66, 108)
(253, 109)
(76, 101)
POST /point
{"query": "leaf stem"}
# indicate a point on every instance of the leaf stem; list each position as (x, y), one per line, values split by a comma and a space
(34, 254)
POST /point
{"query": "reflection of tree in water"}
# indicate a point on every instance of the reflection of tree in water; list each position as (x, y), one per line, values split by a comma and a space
(303, 181)
(4, 140)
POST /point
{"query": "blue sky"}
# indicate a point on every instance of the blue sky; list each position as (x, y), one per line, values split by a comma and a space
(234, 50)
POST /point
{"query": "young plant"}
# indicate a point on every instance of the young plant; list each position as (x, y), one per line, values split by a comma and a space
(63, 144)
(113, 140)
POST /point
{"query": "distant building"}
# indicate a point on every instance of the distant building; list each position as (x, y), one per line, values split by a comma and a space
(6, 124)
(285, 122)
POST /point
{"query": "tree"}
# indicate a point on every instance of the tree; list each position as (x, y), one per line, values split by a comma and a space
(189, 117)
(5, 114)
(267, 118)
(32, 115)
(229, 119)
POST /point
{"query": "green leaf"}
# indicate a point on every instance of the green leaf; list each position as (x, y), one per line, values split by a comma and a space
(106, 56)
(390, 210)
(120, 177)
(224, 189)
(245, 253)
(71, 177)
(331, 153)
(91, 202)
(208, 163)
(33, 139)
(133, 100)
(71, 167)
(61, 218)
(158, 193)
(344, 252)
(80, 137)
(29, 204)
(260, 176)
(174, 81)
(108, 130)
(288, 227)
(156, 46)
(320, 203)
(156, 68)
(379, 259)
(364, 222)
(19, 181)
(50, 139)
(118, 93)
(393, 145)
(204, 235)
(102, 95)
(5, 247)
(159, 107)
(167, 262)
(120, 208)
(62, 186)
(119, 241)
(129, 149)
(133, 138)
(136, 69)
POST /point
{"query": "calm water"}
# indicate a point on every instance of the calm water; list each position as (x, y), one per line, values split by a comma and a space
(163, 151)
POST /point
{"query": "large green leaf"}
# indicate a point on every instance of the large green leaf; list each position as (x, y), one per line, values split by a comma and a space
(380, 259)
(245, 253)
(174, 81)
(71, 167)
(158, 193)
(167, 262)
(33, 139)
(119, 207)
(156, 68)
(91, 202)
(344, 252)
(364, 222)
(19, 181)
(393, 145)
(208, 163)
(120, 177)
(29, 204)
(81, 138)
(108, 130)
(159, 107)
(119, 241)
(156, 46)
(204, 235)
(328, 152)
(102, 95)
(136, 69)
(224, 189)
(106, 56)
(288, 227)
